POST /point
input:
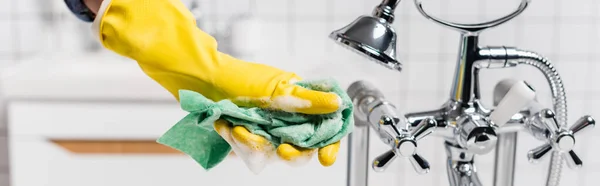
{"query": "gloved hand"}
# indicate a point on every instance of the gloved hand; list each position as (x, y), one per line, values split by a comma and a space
(256, 151)
(161, 35)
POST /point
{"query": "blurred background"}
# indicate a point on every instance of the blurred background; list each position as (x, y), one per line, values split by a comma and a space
(76, 114)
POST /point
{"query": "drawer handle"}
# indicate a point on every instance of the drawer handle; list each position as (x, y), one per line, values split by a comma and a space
(115, 147)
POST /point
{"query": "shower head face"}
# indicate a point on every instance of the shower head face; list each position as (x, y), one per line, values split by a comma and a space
(370, 37)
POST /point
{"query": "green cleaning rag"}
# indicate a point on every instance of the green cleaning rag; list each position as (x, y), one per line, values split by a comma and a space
(195, 136)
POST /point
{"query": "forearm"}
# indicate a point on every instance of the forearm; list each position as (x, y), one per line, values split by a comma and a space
(162, 36)
(93, 5)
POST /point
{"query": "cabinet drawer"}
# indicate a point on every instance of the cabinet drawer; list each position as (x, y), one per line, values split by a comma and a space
(97, 120)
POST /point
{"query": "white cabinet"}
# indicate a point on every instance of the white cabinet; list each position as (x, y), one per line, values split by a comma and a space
(37, 161)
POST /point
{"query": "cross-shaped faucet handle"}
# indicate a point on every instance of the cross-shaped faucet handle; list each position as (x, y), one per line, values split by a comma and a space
(405, 144)
(559, 138)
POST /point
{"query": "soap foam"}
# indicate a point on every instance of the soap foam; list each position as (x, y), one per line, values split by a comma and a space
(256, 156)
(301, 160)
(289, 103)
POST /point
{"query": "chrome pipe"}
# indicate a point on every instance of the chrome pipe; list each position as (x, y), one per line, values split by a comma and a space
(358, 157)
(460, 167)
(463, 89)
(504, 164)
(385, 10)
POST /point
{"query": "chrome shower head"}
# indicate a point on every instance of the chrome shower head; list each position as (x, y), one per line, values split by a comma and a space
(372, 36)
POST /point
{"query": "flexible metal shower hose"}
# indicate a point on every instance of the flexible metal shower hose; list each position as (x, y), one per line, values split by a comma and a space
(559, 102)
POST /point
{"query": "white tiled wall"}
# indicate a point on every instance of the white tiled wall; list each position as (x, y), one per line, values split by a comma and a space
(294, 37)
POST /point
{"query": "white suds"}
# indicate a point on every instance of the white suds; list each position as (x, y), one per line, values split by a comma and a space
(289, 103)
(255, 156)
(301, 160)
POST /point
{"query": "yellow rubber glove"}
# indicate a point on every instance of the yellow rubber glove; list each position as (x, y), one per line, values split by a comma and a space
(161, 35)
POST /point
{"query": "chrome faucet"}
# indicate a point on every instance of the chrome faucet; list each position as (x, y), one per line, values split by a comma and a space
(467, 126)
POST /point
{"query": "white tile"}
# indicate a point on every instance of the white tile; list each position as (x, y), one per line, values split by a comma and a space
(423, 75)
(530, 175)
(576, 107)
(30, 39)
(570, 176)
(439, 159)
(541, 9)
(315, 8)
(591, 152)
(72, 37)
(442, 179)
(56, 8)
(502, 35)
(594, 75)
(592, 176)
(432, 7)
(574, 75)
(232, 7)
(538, 37)
(426, 147)
(574, 38)
(24, 7)
(450, 41)
(382, 178)
(5, 7)
(348, 59)
(464, 7)
(412, 178)
(423, 101)
(403, 36)
(577, 7)
(272, 8)
(424, 38)
(205, 8)
(406, 9)
(485, 171)
(497, 9)
(6, 37)
(315, 69)
(310, 39)
(275, 37)
(352, 8)
(6, 60)
(591, 108)
(465, 11)
(448, 67)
